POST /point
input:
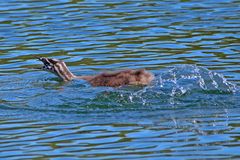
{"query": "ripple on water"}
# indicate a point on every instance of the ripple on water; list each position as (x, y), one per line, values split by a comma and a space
(188, 112)
(177, 87)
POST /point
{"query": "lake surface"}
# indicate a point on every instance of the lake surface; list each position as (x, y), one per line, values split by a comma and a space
(190, 111)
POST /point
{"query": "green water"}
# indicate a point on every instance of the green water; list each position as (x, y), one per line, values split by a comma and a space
(190, 111)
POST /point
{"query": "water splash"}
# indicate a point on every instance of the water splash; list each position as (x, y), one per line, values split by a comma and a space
(194, 79)
(175, 87)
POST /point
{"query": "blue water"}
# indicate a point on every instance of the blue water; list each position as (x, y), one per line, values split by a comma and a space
(190, 110)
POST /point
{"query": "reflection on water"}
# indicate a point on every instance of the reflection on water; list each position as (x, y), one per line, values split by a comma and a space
(188, 112)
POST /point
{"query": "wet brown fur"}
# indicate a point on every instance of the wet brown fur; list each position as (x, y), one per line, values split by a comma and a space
(120, 78)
